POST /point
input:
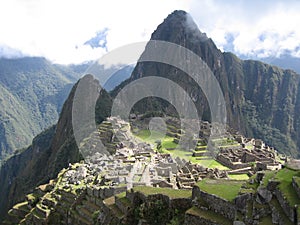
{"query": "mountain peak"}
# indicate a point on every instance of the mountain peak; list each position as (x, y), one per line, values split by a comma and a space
(178, 27)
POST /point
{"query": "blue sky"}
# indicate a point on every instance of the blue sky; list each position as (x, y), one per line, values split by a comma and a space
(66, 31)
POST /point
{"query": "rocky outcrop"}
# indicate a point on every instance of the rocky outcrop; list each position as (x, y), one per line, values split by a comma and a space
(263, 195)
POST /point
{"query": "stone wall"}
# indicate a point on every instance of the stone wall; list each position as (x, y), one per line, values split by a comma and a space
(180, 203)
(166, 165)
(164, 171)
(289, 211)
(217, 204)
(227, 162)
(104, 192)
(296, 186)
(174, 204)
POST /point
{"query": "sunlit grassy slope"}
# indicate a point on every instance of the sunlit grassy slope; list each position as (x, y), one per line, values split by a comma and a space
(168, 144)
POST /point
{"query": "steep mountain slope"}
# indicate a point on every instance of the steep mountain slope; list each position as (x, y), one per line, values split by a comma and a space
(32, 93)
(50, 151)
(261, 100)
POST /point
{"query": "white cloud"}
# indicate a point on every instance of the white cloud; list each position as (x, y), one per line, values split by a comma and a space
(58, 29)
(248, 21)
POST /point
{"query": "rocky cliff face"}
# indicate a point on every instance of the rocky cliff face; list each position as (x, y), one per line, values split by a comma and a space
(261, 100)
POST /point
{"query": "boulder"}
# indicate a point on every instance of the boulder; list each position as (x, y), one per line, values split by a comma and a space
(263, 195)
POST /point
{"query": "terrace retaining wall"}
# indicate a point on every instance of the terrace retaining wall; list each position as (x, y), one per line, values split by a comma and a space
(215, 203)
(291, 212)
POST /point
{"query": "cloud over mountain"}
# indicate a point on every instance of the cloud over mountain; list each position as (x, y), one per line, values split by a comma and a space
(64, 31)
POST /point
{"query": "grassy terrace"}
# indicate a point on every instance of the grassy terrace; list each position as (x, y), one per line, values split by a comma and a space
(167, 144)
(172, 193)
(285, 176)
(208, 162)
(146, 135)
(226, 189)
(238, 176)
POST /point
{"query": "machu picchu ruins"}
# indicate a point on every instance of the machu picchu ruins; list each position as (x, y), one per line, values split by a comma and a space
(125, 183)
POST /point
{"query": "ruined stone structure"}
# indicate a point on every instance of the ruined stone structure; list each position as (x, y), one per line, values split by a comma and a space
(257, 153)
(92, 192)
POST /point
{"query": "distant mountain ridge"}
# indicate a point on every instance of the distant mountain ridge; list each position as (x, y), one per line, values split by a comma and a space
(33, 91)
(284, 61)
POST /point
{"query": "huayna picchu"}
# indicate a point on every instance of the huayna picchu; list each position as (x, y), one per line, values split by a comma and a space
(248, 174)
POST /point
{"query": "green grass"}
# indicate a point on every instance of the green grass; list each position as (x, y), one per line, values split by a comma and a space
(151, 137)
(167, 143)
(210, 163)
(285, 176)
(172, 193)
(249, 147)
(180, 153)
(238, 176)
(268, 176)
(226, 189)
(121, 195)
(204, 161)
